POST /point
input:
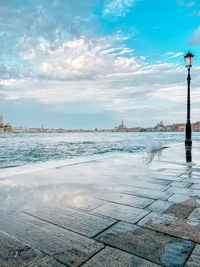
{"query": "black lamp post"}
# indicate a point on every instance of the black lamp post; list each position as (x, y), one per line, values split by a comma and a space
(188, 131)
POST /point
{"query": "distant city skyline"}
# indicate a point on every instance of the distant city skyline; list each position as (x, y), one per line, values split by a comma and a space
(160, 127)
(123, 125)
(88, 64)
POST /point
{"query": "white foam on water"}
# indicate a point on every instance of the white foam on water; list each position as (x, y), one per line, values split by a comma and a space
(154, 145)
(32, 152)
(31, 167)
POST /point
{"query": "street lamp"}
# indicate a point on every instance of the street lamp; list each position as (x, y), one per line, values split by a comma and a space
(188, 131)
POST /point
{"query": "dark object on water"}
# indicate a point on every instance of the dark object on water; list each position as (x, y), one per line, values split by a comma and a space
(158, 149)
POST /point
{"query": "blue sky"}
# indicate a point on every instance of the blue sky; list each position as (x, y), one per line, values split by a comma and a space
(90, 64)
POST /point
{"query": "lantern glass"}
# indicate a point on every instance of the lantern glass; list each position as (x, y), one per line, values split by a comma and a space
(188, 60)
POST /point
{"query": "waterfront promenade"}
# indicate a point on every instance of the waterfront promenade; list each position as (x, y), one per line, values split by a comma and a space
(118, 210)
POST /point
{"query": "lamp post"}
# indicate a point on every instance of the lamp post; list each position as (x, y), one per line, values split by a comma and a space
(188, 131)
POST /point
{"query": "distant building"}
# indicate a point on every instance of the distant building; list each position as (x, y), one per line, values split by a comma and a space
(181, 127)
(178, 127)
(148, 130)
(168, 128)
(136, 129)
(121, 127)
(21, 130)
(196, 126)
(175, 127)
(1, 124)
(1, 119)
(8, 128)
(160, 127)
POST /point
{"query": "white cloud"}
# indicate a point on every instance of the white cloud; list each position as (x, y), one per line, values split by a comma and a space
(178, 54)
(96, 73)
(43, 20)
(118, 7)
(174, 55)
(196, 38)
(191, 4)
(47, 56)
(77, 59)
(95, 70)
(186, 3)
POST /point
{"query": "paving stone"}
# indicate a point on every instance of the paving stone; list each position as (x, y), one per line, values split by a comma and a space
(195, 215)
(151, 245)
(194, 259)
(174, 173)
(159, 206)
(121, 212)
(163, 176)
(193, 201)
(184, 191)
(179, 210)
(156, 180)
(181, 184)
(77, 221)
(177, 198)
(147, 185)
(185, 176)
(187, 229)
(153, 194)
(15, 253)
(47, 262)
(195, 176)
(68, 247)
(196, 171)
(192, 180)
(195, 186)
(134, 201)
(185, 200)
(190, 176)
(111, 257)
(87, 204)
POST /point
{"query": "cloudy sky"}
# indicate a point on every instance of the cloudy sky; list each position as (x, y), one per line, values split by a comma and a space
(90, 64)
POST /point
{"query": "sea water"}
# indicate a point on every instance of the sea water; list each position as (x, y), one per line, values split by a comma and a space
(22, 152)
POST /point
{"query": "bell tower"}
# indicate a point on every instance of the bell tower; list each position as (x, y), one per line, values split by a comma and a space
(1, 119)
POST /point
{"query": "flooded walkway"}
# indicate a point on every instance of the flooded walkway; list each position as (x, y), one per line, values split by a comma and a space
(119, 210)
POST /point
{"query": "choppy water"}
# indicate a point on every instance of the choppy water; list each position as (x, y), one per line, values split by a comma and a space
(20, 150)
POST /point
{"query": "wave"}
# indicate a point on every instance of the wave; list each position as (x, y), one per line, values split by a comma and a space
(155, 145)
(34, 167)
(27, 153)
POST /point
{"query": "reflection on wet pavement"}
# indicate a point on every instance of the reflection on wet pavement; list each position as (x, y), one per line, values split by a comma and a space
(145, 205)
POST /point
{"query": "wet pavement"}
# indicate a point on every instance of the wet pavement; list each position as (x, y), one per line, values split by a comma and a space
(118, 210)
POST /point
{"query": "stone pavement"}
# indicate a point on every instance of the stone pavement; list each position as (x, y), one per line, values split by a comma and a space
(118, 210)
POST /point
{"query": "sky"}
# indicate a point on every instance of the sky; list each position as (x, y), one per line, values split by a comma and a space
(89, 64)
